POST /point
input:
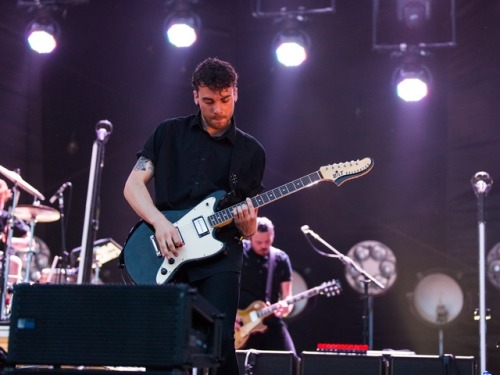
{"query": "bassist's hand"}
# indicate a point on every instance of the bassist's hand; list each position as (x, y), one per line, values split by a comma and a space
(167, 237)
(245, 218)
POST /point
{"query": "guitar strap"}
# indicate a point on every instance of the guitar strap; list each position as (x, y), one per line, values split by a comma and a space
(270, 270)
(236, 160)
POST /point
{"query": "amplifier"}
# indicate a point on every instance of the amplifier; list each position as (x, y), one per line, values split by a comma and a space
(113, 325)
(314, 363)
(266, 362)
(433, 365)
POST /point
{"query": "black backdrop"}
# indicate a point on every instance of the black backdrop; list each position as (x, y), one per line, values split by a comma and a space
(114, 64)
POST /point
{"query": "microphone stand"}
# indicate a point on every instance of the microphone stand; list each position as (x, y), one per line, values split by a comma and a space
(64, 254)
(481, 183)
(347, 261)
(91, 222)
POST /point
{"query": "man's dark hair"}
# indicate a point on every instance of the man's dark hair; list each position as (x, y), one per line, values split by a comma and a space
(264, 225)
(215, 74)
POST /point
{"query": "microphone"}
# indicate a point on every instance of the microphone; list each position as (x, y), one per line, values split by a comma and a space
(481, 183)
(305, 229)
(60, 191)
(103, 130)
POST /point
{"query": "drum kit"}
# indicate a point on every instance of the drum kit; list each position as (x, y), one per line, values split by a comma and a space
(28, 256)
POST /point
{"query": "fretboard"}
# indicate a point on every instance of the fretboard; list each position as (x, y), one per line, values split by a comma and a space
(225, 216)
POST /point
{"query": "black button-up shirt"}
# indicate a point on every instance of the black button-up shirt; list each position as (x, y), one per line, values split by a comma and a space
(190, 165)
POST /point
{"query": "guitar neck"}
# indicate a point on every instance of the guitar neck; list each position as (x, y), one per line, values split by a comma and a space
(225, 216)
(290, 300)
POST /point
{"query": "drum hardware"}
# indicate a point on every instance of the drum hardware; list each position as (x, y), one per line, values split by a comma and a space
(35, 212)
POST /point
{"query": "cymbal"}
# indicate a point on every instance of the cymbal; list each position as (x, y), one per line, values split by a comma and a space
(17, 179)
(39, 213)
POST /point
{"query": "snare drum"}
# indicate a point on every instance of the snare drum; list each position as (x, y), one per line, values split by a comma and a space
(15, 268)
(59, 276)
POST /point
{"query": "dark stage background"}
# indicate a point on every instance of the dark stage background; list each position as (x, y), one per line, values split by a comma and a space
(113, 63)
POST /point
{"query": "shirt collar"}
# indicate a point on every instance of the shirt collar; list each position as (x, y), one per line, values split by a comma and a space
(230, 134)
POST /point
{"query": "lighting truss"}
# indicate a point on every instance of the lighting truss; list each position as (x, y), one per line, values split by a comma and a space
(316, 8)
(53, 4)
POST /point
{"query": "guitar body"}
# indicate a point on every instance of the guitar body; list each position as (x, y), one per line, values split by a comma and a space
(253, 316)
(251, 323)
(145, 266)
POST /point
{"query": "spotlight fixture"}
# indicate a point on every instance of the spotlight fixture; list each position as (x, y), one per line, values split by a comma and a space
(493, 265)
(43, 31)
(42, 34)
(292, 43)
(412, 79)
(438, 298)
(182, 25)
(378, 260)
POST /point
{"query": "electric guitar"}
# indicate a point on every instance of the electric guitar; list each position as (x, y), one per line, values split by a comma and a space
(143, 260)
(252, 317)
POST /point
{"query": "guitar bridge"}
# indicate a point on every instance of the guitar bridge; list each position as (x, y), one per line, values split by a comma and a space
(156, 246)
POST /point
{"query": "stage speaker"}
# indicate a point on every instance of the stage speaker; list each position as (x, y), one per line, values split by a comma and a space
(432, 365)
(266, 362)
(314, 363)
(162, 327)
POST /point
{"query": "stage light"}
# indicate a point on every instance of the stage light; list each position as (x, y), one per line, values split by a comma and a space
(493, 265)
(427, 24)
(292, 42)
(42, 34)
(182, 25)
(438, 298)
(414, 12)
(291, 49)
(182, 29)
(378, 260)
(411, 81)
(43, 31)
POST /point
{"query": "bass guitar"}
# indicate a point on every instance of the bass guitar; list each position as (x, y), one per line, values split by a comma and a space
(143, 260)
(253, 316)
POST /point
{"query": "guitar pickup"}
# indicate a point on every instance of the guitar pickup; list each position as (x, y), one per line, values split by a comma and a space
(201, 226)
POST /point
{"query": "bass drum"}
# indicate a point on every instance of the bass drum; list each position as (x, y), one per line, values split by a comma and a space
(39, 261)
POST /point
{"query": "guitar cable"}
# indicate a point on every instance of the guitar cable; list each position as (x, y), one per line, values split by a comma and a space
(250, 360)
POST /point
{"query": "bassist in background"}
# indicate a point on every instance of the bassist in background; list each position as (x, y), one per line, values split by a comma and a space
(257, 257)
(190, 158)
